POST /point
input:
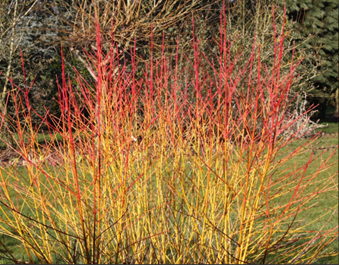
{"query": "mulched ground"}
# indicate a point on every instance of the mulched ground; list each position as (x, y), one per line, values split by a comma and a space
(9, 157)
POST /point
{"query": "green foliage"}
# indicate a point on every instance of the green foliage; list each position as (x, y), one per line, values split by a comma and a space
(320, 20)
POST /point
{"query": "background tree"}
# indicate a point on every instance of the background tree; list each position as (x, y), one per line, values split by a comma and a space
(13, 14)
(32, 28)
(320, 20)
(130, 20)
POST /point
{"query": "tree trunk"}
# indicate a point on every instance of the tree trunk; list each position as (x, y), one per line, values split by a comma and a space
(336, 113)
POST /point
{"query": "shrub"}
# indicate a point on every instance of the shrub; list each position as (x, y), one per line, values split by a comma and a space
(142, 175)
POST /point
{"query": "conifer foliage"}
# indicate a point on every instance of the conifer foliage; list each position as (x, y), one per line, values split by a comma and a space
(320, 19)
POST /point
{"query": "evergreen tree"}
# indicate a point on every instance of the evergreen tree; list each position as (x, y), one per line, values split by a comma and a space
(320, 20)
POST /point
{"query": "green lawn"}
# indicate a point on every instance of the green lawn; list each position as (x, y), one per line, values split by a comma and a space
(12, 244)
(330, 127)
(322, 148)
(41, 138)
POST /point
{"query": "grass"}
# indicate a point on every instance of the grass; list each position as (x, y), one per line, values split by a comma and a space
(42, 137)
(325, 200)
(12, 244)
(331, 127)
